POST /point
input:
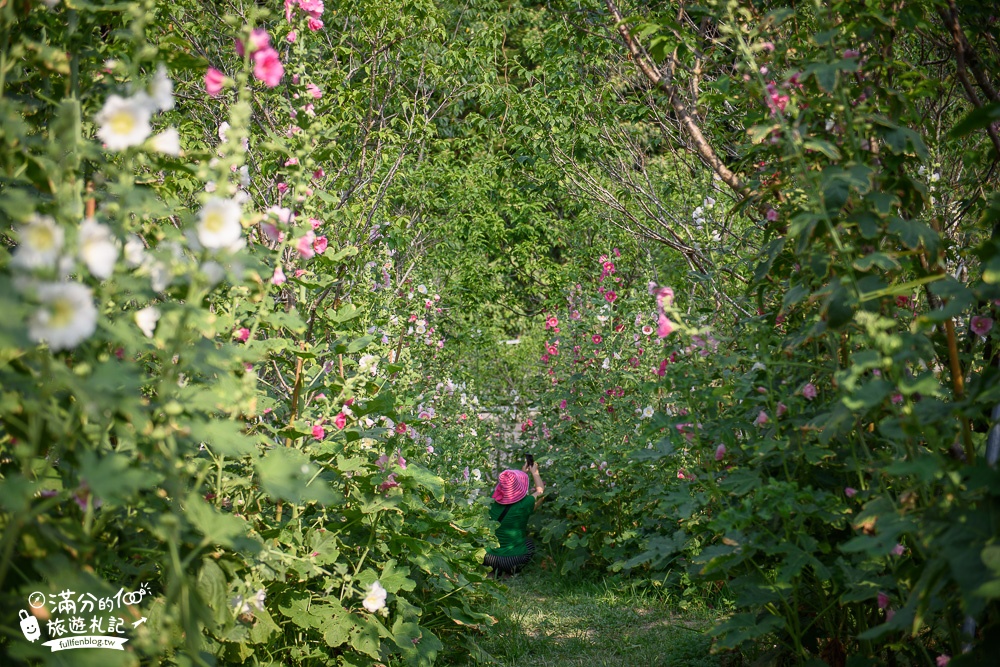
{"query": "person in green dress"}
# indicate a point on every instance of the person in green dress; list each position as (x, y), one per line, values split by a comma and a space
(512, 508)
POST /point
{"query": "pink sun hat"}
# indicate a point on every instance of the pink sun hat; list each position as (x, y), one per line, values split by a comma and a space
(513, 486)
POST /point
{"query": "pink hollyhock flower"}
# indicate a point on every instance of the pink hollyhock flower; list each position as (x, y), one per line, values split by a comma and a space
(389, 483)
(320, 245)
(267, 67)
(782, 409)
(291, 37)
(883, 600)
(898, 550)
(289, 8)
(596, 339)
(682, 474)
(400, 460)
(279, 276)
(314, 90)
(213, 81)
(562, 404)
(664, 327)
(401, 428)
(313, 8)
(809, 391)
(617, 252)
(850, 492)
(305, 245)
(552, 321)
(981, 325)
(610, 296)
(942, 660)
(315, 25)
(315, 223)
(664, 297)
(318, 432)
(340, 421)
(259, 39)
(902, 301)
(552, 350)
(720, 452)
(318, 174)
(851, 53)
(242, 334)
(897, 398)
(767, 46)
(761, 419)
(772, 215)
(292, 161)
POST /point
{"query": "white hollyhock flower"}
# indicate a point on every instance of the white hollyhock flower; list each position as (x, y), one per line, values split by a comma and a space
(167, 142)
(135, 251)
(162, 89)
(98, 248)
(422, 289)
(41, 243)
(368, 363)
(66, 317)
(647, 412)
(223, 130)
(124, 122)
(147, 319)
(219, 224)
(375, 599)
(245, 176)
(214, 271)
(159, 275)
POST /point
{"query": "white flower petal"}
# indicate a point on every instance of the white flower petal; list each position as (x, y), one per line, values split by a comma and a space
(147, 319)
(66, 317)
(167, 142)
(98, 248)
(219, 224)
(41, 242)
(124, 122)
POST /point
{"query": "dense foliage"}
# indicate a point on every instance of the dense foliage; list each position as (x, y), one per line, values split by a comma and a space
(286, 284)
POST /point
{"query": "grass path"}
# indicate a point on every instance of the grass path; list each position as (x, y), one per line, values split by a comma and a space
(546, 620)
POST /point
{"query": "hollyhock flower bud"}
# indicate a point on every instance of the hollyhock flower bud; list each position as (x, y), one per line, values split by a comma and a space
(279, 277)
(315, 25)
(340, 421)
(291, 37)
(809, 391)
(762, 419)
(318, 432)
(883, 600)
(850, 492)
(242, 334)
(720, 452)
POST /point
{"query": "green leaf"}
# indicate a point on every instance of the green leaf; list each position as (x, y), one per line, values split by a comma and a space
(879, 259)
(112, 478)
(288, 474)
(824, 147)
(977, 119)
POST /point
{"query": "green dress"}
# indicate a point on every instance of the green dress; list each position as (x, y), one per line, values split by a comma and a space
(512, 533)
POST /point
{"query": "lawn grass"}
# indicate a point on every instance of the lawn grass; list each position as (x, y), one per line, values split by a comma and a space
(544, 619)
